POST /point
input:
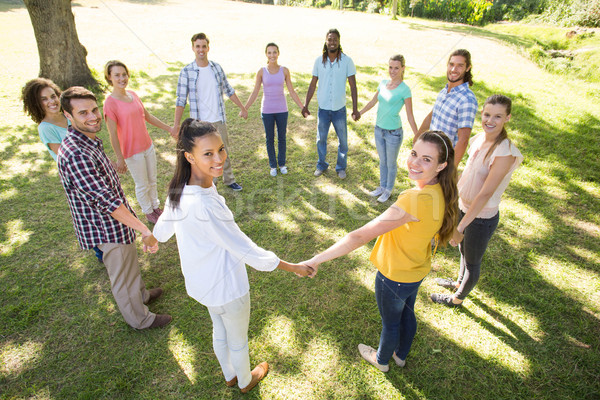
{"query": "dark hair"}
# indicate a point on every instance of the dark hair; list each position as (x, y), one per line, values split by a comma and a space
(325, 51)
(30, 95)
(201, 36)
(74, 92)
(108, 67)
(447, 179)
(507, 103)
(400, 58)
(190, 130)
(465, 53)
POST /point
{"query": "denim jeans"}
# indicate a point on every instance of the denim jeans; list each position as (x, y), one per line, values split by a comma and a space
(396, 302)
(388, 144)
(230, 338)
(338, 119)
(269, 121)
(477, 235)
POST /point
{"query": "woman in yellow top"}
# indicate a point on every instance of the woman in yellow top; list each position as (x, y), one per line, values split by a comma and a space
(402, 253)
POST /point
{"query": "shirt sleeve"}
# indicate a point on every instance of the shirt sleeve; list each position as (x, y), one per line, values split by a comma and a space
(165, 227)
(108, 109)
(182, 89)
(82, 173)
(222, 228)
(48, 134)
(315, 71)
(466, 111)
(228, 89)
(350, 68)
(408, 202)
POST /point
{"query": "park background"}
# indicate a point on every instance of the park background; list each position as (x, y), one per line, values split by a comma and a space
(531, 328)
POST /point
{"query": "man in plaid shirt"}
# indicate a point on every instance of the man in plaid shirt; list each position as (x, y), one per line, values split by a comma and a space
(101, 214)
(204, 82)
(456, 105)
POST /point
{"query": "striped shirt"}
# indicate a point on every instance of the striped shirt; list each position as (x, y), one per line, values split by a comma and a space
(188, 82)
(454, 110)
(93, 191)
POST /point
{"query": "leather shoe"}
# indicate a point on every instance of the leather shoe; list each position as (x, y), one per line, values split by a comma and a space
(155, 293)
(232, 382)
(258, 373)
(160, 320)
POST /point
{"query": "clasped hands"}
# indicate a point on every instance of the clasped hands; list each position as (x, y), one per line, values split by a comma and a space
(457, 237)
(307, 268)
(150, 242)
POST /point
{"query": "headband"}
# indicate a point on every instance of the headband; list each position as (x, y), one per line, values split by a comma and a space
(443, 141)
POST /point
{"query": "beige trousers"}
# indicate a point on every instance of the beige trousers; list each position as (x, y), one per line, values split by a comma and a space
(228, 178)
(126, 283)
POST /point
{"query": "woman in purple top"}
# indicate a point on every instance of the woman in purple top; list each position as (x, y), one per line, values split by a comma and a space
(274, 105)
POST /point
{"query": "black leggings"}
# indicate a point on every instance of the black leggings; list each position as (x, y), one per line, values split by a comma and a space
(472, 249)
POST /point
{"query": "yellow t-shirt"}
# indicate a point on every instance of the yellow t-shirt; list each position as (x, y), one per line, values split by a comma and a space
(404, 254)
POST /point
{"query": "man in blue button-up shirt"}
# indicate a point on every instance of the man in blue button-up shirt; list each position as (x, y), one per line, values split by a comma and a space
(332, 69)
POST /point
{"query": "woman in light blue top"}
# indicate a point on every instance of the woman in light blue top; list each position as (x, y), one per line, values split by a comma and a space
(41, 102)
(391, 94)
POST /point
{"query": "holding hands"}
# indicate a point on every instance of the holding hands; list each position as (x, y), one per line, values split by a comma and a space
(457, 237)
(150, 242)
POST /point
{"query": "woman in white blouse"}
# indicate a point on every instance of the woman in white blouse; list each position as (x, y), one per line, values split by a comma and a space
(492, 160)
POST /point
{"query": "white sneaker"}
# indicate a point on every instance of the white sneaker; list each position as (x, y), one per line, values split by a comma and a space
(384, 196)
(370, 355)
(399, 362)
(376, 192)
(283, 170)
(273, 172)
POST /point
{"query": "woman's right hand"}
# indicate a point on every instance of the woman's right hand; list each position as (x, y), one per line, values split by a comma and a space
(313, 265)
(457, 237)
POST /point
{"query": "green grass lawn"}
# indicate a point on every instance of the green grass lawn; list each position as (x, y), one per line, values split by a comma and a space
(530, 329)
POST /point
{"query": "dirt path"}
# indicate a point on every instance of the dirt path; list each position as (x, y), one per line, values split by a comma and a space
(148, 35)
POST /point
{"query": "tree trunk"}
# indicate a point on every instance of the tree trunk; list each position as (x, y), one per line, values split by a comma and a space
(62, 56)
(394, 8)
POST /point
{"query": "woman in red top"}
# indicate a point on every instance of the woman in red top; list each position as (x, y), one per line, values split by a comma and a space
(126, 119)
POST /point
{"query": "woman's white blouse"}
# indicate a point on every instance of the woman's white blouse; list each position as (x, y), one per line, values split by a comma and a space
(212, 249)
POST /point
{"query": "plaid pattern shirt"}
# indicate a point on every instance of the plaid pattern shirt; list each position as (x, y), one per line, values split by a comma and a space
(93, 191)
(187, 84)
(454, 110)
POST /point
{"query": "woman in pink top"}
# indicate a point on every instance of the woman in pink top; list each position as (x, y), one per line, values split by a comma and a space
(492, 160)
(126, 118)
(274, 105)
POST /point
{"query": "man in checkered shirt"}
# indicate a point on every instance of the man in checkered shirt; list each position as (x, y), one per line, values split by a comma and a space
(456, 105)
(101, 214)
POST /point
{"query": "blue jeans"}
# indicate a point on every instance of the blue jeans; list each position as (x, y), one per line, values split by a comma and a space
(388, 144)
(269, 121)
(338, 119)
(472, 248)
(396, 302)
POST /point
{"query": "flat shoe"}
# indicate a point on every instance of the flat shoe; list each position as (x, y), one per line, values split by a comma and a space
(399, 362)
(258, 373)
(370, 354)
(232, 382)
